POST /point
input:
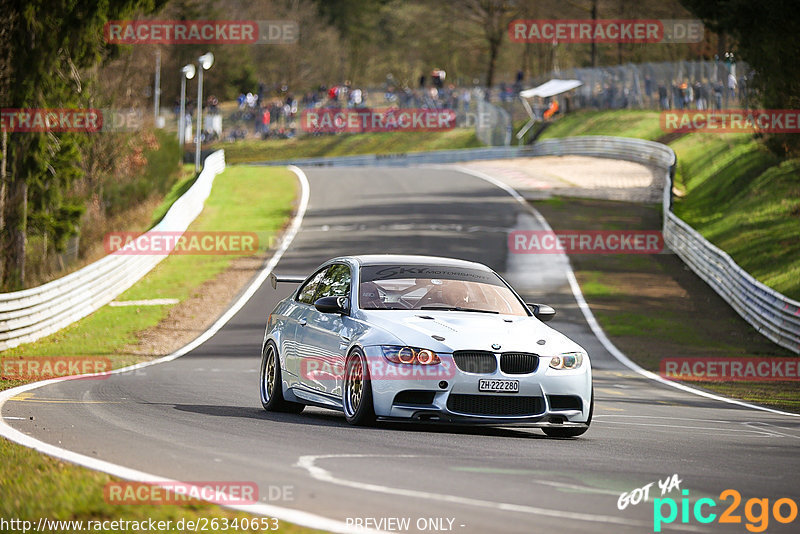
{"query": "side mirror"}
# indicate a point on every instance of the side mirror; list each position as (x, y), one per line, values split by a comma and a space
(543, 312)
(332, 304)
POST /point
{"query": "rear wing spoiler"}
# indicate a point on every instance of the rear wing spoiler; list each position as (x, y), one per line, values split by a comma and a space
(274, 279)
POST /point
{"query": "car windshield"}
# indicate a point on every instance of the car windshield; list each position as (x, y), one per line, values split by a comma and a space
(403, 287)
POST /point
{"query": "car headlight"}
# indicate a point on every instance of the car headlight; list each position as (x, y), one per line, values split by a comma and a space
(567, 360)
(409, 355)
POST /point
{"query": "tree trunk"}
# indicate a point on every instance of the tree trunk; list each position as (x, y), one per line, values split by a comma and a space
(494, 47)
(15, 217)
(16, 235)
(3, 158)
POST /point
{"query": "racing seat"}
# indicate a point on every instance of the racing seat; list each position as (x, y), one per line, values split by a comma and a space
(455, 293)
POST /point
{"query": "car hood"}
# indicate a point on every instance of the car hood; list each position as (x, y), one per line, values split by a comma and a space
(470, 331)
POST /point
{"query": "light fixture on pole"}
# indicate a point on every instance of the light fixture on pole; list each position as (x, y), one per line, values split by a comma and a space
(187, 73)
(206, 60)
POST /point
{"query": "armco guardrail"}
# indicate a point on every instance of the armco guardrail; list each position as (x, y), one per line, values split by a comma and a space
(33, 313)
(774, 315)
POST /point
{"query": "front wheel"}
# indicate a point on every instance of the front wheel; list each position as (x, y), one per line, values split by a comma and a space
(271, 389)
(357, 391)
(555, 432)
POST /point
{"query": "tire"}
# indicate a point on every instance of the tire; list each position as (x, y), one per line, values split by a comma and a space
(270, 383)
(555, 432)
(357, 391)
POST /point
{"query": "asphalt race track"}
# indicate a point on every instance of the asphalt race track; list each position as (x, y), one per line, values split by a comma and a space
(199, 417)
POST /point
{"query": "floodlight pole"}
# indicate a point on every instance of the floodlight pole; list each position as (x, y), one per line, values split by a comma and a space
(205, 61)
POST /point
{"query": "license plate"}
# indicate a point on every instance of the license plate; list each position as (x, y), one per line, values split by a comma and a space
(507, 386)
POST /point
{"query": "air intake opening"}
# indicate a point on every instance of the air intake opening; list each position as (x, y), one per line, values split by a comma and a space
(495, 405)
(564, 402)
(414, 397)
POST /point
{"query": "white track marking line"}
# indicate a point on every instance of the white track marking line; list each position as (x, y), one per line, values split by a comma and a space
(589, 316)
(318, 473)
(760, 433)
(297, 517)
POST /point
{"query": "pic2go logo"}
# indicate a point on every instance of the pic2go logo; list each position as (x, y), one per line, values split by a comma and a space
(758, 521)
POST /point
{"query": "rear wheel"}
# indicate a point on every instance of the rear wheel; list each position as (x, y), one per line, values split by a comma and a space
(357, 391)
(271, 389)
(555, 432)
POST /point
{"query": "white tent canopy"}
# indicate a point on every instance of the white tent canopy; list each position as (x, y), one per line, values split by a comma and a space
(551, 88)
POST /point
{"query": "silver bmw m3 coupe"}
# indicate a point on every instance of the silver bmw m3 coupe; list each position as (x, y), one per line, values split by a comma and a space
(421, 338)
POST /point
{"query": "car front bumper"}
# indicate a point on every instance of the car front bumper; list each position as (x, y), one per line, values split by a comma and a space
(450, 395)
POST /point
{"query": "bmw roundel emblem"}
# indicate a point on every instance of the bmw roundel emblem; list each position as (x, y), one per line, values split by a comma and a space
(496, 346)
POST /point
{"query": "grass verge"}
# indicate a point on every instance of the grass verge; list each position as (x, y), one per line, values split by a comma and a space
(653, 307)
(243, 199)
(348, 145)
(746, 201)
(732, 190)
(621, 123)
(38, 486)
(35, 485)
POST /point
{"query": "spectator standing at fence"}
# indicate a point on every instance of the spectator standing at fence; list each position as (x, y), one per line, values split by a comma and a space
(265, 120)
(699, 96)
(688, 92)
(213, 105)
(662, 97)
(466, 99)
(677, 98)
(356, 97)
(731, 85)
(743, 97)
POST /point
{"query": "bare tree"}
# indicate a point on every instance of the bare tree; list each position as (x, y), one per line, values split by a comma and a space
(7, 22)
(493, 17)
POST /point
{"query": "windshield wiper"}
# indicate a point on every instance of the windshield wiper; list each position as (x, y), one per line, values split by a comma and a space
(457, 308)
